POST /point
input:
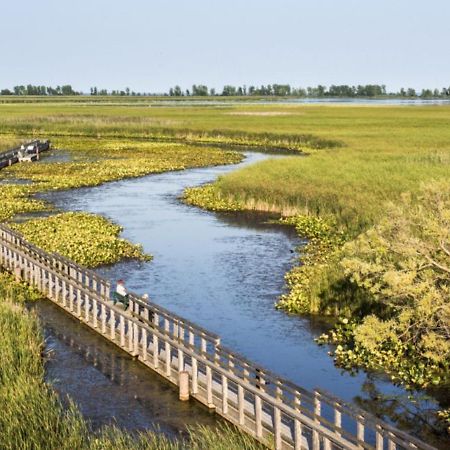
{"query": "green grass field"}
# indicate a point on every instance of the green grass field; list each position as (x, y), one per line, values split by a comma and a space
(383, 151)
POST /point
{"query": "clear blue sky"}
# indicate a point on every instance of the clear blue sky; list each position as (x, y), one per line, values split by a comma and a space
(151, 45)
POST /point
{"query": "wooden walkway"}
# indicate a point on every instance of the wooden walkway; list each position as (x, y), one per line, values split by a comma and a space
(258, 401)
(10, 157)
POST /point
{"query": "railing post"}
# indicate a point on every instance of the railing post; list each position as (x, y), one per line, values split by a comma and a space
(135, 339)
(298, 433)
(168, 360)
(155, 351)
(86, 307)
(130, 329)
(180, 360)
(184, 385)
(95, 312)
(224, 394)
(241, 406)
(209, 387)
(317, 414)
(194, 376)
(360, 430)
(103, 317)
(391, 443)
(277, 427)
(258, 411)
(203, 345)
(112, 324)
(378, 438)
(64, 294)
(79, 302)
(122, 330)
(144, 344)
(337, 418)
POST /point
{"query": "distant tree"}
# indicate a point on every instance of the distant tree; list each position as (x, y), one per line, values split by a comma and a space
(321, 90)
(212, 92)
(299, 92)
(411, 92)
(281, 90)
(426, 93)
(6, 92)
(228, 90)
(199, 90)
(177, 91)
(342, 91)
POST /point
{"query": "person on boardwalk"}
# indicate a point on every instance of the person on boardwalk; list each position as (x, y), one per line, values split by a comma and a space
(121, 294)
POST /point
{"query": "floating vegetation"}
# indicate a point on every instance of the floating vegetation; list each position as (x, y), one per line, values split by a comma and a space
(87, 239)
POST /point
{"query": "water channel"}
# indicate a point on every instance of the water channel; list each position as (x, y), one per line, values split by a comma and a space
(224, 272)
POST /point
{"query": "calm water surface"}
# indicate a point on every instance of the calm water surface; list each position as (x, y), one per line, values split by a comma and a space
(108, 386)
(224, 272)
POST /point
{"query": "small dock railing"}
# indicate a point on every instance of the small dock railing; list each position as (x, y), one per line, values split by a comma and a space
(273, 410)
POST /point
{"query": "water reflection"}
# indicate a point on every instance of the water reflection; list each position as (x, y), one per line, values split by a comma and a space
(108, 386)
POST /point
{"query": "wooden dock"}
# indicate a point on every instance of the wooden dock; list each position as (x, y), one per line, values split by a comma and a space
(260, 403)
(10, 157)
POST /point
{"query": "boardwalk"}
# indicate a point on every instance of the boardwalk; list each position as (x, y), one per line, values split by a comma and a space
(258, 401)
(10, 157)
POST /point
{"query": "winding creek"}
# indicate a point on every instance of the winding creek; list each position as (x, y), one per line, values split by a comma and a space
(222, 271)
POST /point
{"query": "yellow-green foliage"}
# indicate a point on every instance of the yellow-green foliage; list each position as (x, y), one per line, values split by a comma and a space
(403, 264)
(309, 279)
(209, 197)
(32, 415)
(15, 199)
(87, 239)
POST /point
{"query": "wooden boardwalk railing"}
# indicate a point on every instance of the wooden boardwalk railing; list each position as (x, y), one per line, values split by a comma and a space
(10, 157)
(259, 402)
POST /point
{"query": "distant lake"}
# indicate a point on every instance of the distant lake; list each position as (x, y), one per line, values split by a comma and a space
(300, 101)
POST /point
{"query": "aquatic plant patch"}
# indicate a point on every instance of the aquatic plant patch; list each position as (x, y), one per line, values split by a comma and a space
(87, 239)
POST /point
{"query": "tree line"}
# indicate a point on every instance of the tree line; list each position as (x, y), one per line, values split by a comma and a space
(40, 90)
(272, 90)
(286, 90)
